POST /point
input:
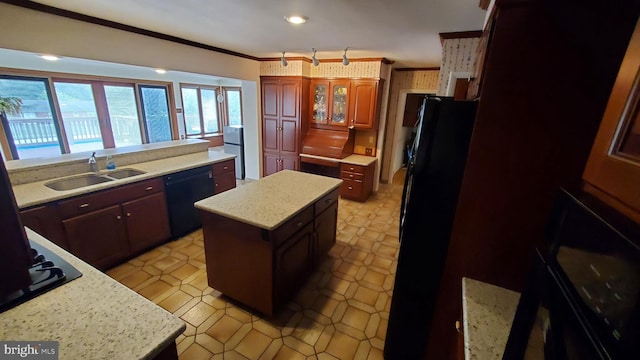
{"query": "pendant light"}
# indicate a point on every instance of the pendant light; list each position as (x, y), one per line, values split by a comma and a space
(345, 61)
(283, 61)
(315, 60)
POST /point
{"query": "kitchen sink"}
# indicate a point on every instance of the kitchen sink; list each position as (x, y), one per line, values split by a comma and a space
(75, 182)
(79, 181)
(124, 173)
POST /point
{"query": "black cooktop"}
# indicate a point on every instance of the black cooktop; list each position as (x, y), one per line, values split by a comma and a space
(48, 272)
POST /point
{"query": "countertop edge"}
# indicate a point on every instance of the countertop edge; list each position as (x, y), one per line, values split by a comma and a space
(488, 313)
(353, 159)
(64, 302)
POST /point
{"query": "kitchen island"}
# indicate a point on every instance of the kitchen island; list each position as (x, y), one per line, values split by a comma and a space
(93, 317)
(263, 239)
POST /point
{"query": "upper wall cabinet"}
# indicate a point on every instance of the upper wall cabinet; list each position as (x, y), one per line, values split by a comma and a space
(363, 104)
(344, 102)
(613, 169)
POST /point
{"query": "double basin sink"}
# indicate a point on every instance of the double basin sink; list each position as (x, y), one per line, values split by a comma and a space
(75, 182)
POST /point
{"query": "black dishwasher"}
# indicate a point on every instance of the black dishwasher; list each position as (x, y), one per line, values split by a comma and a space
(182, 190)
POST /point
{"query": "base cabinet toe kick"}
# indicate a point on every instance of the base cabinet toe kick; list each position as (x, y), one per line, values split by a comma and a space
(262, 268)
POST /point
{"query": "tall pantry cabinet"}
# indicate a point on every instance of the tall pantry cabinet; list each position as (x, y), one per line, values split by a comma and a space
(284, 108)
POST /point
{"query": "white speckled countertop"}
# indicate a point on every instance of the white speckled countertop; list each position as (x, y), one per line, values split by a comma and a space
(36, 193)
(272, 200)
(353, 159)
(92, 317)
(488, 313)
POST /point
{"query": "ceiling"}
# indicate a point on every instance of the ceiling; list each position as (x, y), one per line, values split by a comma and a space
(404, 31)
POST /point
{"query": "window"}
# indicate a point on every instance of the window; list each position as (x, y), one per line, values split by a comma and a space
(34, 132)
(93, 114)
(207, 109)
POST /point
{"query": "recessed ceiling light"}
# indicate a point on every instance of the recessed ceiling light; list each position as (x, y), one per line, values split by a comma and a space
(50, 57)
(160, 71)
(296, 19)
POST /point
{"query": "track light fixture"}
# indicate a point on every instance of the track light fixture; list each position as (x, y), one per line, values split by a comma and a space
(283, 61)
(315, 60)
(345, 61)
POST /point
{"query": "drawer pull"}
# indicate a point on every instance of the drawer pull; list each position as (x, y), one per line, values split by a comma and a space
(351, 169)
(149, 188)
(326, 201)
(84, 205)
(350, 187)
(351, 175)
(217, 185)
(128, 214)
(299, 224)
(226, 168)
(118, 217)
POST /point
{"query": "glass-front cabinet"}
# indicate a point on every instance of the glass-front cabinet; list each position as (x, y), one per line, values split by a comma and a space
(329, 102)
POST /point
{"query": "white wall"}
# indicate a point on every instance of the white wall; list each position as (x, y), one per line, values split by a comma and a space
(37, 32)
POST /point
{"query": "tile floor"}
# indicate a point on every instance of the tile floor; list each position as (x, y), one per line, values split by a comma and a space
(340, 313)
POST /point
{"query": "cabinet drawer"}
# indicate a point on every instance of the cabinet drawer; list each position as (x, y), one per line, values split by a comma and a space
(325, 201)
(224, 166)
(224, 182)
(351, 188)
(92, 202)
(284, 231)
(347, 175)
(352, 168)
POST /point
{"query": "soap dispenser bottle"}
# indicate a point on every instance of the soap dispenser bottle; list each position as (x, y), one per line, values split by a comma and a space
(111, 165)
(93, 164)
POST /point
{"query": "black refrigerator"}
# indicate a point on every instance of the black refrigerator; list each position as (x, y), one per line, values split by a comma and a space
(435, 169)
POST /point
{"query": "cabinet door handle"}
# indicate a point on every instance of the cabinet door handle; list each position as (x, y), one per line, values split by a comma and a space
(118, 217)
(149, 188)
(217, 185)
(350, 188)
(458, 326)
(84, 205)
(299, 224)
(326, 201)
(226, 167)
(128, 214)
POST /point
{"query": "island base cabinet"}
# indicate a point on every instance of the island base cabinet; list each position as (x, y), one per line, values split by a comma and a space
(262, 268)
(326, 225)
(239, 261)
(293, 264)
(98, 237)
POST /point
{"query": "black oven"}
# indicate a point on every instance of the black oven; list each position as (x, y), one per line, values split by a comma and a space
(581, 300)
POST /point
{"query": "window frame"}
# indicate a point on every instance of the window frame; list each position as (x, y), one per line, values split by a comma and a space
(219, 113)
(50, 77)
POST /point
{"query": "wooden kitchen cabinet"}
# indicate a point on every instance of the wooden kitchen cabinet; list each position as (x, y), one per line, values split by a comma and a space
(330, 101)
(357, 181)
(146, 222)
(98, 237)
(105, 227)
(364, 104)
(224, 175)
(264, 268)
(284, 101)
(45, 221)
(345, 102)
(612, 172)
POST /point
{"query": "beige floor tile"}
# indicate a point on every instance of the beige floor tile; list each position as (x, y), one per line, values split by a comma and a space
(165, 262)
(195, 352)
(287, 353)
(224, 329)
(184, 271)
(342, 346)
(198, 314)
(175, 301)
(253, 344)
(135, 279)
(212, 345)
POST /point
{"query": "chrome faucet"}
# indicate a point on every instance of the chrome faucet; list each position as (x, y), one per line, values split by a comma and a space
(93, 164)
